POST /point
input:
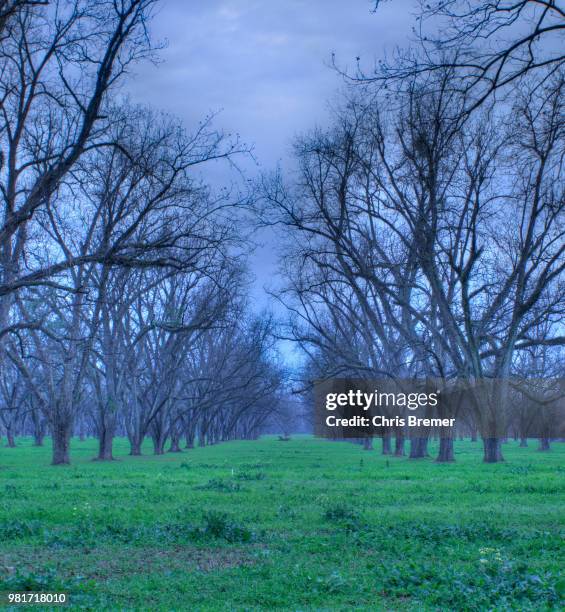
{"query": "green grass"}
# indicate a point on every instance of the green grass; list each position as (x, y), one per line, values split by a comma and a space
(300, 525)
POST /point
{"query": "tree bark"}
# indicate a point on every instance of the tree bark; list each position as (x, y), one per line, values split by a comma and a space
(135, 446)
(105, 442)
(38, 438)
(158, 444)
(399, 445)
(38, 429)
(492, 450)
(368, 443)
(418, 448)
(189, 439)
(544, 444)
(61, 442)
(523, 442)
(386, 448)
(445, 454)
(175, 444)
(11, 442)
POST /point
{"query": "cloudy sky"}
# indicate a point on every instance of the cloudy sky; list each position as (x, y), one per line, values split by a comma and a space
(265, 64)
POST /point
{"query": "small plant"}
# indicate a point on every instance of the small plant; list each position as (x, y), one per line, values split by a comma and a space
(217, 484)
(340, 512)
(219, 525)
(251, 476)
(18, 529)
(520, 469)
(334, 583)
(346, 517)
(286, 512)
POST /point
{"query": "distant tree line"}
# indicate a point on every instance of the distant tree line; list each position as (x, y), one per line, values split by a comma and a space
(123, 287)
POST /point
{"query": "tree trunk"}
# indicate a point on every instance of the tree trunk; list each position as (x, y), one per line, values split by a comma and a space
(105, 441)
(368, 443)
(175, 444)
(523, 442)
(135, 446)
(38, 429)
(158, 444)
(38, 438)
(492, 450)
(10, 438)
(544, 444)
(387, 450)
(418, 448)
(399, 445)
(446, 453)
(61, 442)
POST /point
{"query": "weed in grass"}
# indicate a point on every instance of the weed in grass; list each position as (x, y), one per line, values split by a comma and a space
(340, 512)
(220, 525)
(219, 484)
(17, 529)
(248, 476)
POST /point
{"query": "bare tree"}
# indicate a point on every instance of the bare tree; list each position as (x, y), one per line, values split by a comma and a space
(123, 206)
(57, 64)
(491, 275)
(12, 398)
(422, 245)
(9, 10)
(490, 45)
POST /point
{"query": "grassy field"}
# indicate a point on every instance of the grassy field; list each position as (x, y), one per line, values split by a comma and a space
(300, 525)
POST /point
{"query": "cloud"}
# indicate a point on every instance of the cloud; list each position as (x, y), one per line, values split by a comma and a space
(265, 63)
